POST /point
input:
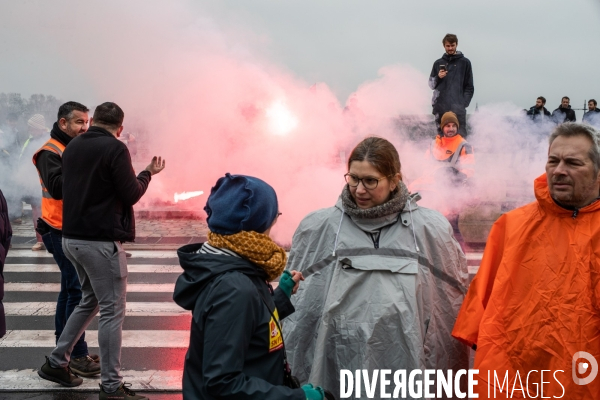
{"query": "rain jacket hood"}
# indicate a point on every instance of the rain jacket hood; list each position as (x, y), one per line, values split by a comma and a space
(535, 301)
(380, 293)
(235, 349)
(200, 269)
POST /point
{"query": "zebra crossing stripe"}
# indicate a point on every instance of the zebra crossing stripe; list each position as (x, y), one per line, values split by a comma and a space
(474, 256)
(55, 287)
(131, 338)
(473, 269)
(135, 253)
(148, 380)
(133, 309)
(144, 268)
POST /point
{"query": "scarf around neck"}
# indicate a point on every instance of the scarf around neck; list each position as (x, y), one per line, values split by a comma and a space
(394, 205)
(255, 247)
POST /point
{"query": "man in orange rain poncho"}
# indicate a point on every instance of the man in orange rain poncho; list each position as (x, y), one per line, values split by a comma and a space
(534, 306)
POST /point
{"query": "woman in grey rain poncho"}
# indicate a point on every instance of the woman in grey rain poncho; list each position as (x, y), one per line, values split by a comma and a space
(385, 279)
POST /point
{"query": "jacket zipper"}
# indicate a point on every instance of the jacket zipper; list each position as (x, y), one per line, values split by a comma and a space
(375, 239)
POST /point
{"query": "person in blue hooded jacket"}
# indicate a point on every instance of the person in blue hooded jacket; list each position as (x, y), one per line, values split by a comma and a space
(236, 346)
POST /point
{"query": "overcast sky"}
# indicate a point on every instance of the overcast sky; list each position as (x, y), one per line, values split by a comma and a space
(519, 49)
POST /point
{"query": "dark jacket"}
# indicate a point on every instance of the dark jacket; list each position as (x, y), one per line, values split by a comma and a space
(229, 355)
(100, 188)
(455, 91)
(5, 236)
(49, 164)
(537, 114)
(561, 115)
(592, 117)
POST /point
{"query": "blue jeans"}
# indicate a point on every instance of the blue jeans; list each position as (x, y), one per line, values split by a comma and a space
(70, 291)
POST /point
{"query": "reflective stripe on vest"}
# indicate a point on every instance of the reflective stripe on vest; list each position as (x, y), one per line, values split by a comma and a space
(51, 209)
(453, 158)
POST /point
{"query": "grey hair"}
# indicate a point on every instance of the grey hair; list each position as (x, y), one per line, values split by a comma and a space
(570, 129)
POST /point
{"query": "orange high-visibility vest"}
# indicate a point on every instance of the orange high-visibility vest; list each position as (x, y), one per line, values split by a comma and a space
(52, 209)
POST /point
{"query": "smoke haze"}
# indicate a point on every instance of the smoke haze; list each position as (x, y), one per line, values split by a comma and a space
(212, 102)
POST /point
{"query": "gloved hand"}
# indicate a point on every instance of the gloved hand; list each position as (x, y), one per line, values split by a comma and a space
(313, 393)
(286, 283)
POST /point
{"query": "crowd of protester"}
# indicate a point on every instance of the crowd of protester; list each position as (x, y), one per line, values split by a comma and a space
(375, 281)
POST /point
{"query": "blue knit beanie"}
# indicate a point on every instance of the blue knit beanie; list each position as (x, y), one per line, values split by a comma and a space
(241, 203)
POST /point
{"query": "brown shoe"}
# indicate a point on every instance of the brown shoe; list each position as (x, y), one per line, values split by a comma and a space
(64, 376)
(85, 366)
(123, 392)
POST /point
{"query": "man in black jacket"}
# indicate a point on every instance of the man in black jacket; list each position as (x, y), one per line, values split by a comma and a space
(564, 113)
(451, 80)
(539, 113)
(99, 191)
(72, 121)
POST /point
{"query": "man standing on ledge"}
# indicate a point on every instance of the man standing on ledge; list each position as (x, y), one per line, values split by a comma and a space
(564, 113)
(534, 304)
(99, 191)
(592, 117)
(451, 80)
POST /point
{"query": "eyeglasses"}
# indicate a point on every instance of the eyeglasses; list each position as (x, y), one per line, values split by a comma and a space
(279, 214)
(368, 182)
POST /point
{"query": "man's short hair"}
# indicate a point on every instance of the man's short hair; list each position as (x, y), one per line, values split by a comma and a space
(66, 110)
(570, 129)
(565, 97)
(543, 99)
(593, 101)
(450, 38)
(109, 115)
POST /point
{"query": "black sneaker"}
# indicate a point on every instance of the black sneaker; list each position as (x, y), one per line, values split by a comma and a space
(64, 376)
(123, 392)
(85, 366)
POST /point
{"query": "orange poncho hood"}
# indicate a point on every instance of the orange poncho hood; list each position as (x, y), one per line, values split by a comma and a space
(535, 301)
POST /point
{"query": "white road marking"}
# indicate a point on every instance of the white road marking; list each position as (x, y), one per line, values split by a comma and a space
(141, 338)
(55, 287)
(146, 268)
(135, 253)
(150, 380)
(133, 309)
(474, 256)
(473, 269)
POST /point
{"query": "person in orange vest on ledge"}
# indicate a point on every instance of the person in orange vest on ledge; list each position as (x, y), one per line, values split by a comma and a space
(451, 148)
(72, 121)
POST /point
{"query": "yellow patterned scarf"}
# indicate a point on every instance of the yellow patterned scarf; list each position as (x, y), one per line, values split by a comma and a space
(255, 247)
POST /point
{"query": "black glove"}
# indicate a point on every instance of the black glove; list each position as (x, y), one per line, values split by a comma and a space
(42, 227)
